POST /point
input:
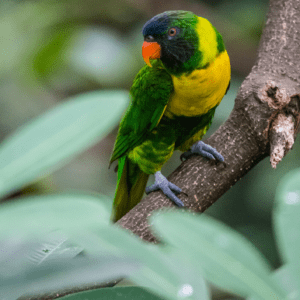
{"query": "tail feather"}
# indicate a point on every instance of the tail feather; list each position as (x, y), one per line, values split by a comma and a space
(130, 187)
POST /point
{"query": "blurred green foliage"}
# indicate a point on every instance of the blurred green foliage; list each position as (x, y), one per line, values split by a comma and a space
(132, 293)
(57, 136)
(52, 50)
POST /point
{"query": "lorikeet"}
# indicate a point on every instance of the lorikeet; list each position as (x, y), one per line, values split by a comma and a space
(173, 101)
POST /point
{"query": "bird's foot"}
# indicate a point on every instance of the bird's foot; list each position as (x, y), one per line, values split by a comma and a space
(163, 184)
(204, 150)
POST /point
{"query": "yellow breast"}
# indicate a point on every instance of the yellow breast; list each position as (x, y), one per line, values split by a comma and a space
(198, 92)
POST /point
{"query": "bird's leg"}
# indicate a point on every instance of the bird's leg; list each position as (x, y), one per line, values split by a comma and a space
(163, 184)
(204, 150)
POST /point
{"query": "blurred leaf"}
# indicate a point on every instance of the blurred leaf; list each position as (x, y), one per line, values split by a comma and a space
(287, 221)
(289, 283)
(20, 277)
(228, 260)
(56, 137)
(43, 214)
(131, 293)
(172, 274)
(286, 281)
(165, 271)
(55, 245)
(36, 258)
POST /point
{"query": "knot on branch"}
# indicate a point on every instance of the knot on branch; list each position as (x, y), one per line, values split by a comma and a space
(281, 137)
(276, 97)
(284, 121)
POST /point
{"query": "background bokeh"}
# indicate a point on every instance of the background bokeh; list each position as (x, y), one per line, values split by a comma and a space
(50, 50)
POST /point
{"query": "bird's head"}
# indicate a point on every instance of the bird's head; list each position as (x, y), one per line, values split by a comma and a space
(181, 40)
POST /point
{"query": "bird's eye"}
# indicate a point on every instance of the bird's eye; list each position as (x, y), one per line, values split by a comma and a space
(149, 38)
(172, 32)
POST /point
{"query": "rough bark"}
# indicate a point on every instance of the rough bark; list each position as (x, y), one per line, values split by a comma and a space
(264, 122)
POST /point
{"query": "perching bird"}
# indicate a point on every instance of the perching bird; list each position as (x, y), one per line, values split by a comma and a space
(173, 101)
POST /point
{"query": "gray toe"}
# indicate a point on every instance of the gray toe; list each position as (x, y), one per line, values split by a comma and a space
(167, 187)
(206, 151)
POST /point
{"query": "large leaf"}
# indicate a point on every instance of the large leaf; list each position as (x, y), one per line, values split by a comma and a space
(43, 214)
(284, 277)
(85, 220)
(55, 245)
(54, 138)
(286, 281)
(47, 244)
(165, 271)
(228, 260)
(172, 275)
(116, 293)
(20, 276)
(287, 221)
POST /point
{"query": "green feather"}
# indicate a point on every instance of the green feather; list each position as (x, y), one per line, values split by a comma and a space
(130, 187)
(221, 45)
(149, 97)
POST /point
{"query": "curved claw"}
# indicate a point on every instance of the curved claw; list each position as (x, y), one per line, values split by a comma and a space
(167, 187)
(186, 155)
(206, 151)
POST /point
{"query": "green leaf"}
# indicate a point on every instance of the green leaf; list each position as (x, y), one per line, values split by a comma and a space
(43, 214)
(20, 277)
(53, 246)
(47, 244)
(287, 221)
(130, 293)
(85, 219)
(172, 275)
(165, 271)
(54, 138)
(285, 279)
(227, 259)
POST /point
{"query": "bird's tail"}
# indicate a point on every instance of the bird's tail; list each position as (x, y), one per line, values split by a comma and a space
(130, 187)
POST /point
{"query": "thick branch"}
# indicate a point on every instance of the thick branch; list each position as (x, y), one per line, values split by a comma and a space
(264, 122)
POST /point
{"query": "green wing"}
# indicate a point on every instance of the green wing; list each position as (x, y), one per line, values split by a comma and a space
(150, 94)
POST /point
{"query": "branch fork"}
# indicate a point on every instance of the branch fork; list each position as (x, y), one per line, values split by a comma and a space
(284, 121)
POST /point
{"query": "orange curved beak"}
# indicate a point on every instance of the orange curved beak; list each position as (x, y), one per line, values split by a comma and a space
(150, 51)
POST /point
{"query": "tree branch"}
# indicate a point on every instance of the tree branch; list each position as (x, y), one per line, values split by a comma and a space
(264, 122)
